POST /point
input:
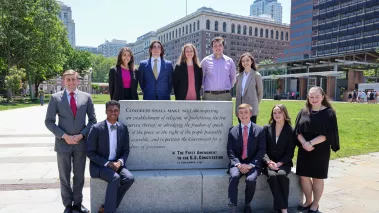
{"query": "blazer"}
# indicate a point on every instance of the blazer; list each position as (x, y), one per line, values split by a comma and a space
(253, 92)
(180, 81)
(153, 88)
(98, 146)
(256, 146)
(67, 123)
(116, 85)
(282, 151)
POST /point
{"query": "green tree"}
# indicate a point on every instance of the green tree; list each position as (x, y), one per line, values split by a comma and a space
(33, 38)
(100, 67)
(78, 60)
(13, 80)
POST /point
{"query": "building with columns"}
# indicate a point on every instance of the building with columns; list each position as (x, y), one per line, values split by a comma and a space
(263, 38)
(141, 46)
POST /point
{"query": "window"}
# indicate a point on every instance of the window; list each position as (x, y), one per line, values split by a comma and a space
(194, 26)
(281, 35)
(239, 29)
(277, 35)
(250, 31)
(208, 25)
(190, 28)
(180, 32)
(233, 28)
(186, 29)
(64, 15)
(286, 36)
(244, 30)
(256, 31)
(272, 34)
(266, 33)
(216, 25)
(261, 33)
(198, 25)
(224, 27)
(176, 33)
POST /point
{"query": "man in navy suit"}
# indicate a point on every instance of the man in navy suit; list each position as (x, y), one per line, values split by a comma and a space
(156, 74)
(108, 150)
(246, 148)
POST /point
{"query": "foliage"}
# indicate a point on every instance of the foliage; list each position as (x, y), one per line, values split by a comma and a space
(100, 67)
(78, 60)
(266, 61)
(32, 37)
(13, 80)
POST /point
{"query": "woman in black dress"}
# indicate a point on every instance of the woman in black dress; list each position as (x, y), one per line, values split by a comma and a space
(316, 132)
(279, 153)
(123, 79)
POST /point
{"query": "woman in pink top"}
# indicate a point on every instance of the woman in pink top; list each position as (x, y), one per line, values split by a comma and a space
(188, 76)
(123, 79)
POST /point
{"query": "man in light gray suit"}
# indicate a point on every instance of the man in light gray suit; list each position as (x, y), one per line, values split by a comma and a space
(72, 106)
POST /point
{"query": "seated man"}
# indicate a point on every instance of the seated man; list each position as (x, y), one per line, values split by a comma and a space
(108, 149)
(246, 148)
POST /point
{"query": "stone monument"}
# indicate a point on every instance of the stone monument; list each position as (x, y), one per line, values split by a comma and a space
(178, 158)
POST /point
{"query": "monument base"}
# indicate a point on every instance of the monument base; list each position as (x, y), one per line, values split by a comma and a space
(166, 191)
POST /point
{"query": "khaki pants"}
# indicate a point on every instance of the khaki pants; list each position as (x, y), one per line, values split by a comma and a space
(219, 97)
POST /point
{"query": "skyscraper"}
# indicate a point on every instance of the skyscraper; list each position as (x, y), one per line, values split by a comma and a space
(65, 15)
(271, 8)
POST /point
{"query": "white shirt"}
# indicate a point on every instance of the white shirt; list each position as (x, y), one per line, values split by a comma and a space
(158, 64)
(75, 96)
(248, 128)
(112, 143)
(244, 79)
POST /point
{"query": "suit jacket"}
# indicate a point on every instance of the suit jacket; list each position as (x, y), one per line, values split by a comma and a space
(256, 146)
(152, 87)
(253, 92)
(116, 85)
(282, 151)
(67, 123)
(180, 81)
(98, 146)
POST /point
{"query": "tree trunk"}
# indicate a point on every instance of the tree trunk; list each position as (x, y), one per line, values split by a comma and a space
(9, 95)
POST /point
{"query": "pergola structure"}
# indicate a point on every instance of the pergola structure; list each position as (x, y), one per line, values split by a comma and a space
(332, 73)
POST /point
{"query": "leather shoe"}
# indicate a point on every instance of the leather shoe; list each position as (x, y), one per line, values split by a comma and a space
(79, 209)
(303, 208)
(68, 209)
(247, 209)
(101, 209)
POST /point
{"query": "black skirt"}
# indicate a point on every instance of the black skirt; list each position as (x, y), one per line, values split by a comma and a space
(127, 94)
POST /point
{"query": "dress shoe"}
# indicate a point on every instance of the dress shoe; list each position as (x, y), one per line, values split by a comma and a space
(101, 209)
(303, 208)
(247, 209)
(68, 209)
(79, 209)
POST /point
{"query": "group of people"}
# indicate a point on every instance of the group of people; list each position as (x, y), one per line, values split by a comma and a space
(371, 96)
(251, 149)
(269, 149)
(216, 74)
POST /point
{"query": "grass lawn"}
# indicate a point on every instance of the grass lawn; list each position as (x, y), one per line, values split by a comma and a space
(358, 123)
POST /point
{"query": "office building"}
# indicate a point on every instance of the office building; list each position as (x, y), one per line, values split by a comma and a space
(272, 8)
(65, 15)
(111, 48)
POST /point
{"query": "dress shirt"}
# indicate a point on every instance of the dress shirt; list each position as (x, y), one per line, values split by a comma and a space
(158, 64)
(112, 143)
(218, 74)
(244, 79)
(75, 96)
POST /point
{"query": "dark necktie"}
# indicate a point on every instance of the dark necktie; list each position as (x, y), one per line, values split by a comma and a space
(73, 103)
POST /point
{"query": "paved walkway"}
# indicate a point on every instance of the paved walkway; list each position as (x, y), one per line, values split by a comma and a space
(29, 176)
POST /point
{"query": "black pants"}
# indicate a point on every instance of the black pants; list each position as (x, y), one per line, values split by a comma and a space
(279, 185)
(252, 119)
(251, 181)
(127, 94)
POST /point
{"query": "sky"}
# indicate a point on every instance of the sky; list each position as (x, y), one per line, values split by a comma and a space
(100, 20)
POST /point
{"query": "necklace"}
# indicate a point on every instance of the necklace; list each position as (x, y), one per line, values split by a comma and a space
(317, 110)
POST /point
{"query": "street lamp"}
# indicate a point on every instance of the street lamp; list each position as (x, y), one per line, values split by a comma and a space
(90, 80)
